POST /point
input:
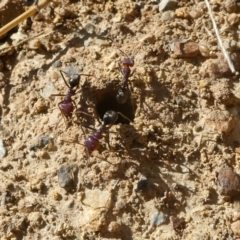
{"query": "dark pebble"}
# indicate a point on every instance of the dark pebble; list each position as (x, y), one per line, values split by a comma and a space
(229, 182)
(67, 176)
(42, 142)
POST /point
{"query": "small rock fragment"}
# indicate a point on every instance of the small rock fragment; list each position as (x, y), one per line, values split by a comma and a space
(230, 6)
(158, 218)
(204, 50)
(18, 36)
(177, 223)
(67, 175)
(235, 226)
(216, 67)
(2, 149)
(232, 19)
(34, 44)
(236, 216)
(182, 12)
(113, 227)
(56, 196)
(35, 220)
(219, 121)
(185, 49)
(195, 14)
(165, 5)
(27, 204)
(97, 199)
(167, 16)
(222, 92)
(48, 90)
(90, 28)
(229, 182)
(42, 142)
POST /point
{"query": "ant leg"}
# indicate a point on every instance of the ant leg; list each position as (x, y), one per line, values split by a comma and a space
(124, 116)
(108, 142)
(120, 68)
(64, 117)
(36, 5)
(64, 78)
(132, 72)
(57, 95)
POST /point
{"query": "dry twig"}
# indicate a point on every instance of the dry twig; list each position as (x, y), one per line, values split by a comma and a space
(31, 11)
(225, 53)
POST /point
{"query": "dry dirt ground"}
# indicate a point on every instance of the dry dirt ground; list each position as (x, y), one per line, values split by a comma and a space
(171, 173)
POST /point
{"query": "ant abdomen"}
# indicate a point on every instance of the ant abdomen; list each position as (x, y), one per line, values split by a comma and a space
(91, 144)
(110, 117)
(67, 108)
(129, 62)
(123, 95)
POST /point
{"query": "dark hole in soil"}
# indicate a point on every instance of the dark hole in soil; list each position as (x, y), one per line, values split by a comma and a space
(109, 102)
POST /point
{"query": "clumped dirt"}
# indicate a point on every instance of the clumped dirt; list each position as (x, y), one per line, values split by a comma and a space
(165, 175)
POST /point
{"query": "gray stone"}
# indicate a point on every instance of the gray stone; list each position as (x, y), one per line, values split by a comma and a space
(2, 149)
(158, 218)
(165, 5)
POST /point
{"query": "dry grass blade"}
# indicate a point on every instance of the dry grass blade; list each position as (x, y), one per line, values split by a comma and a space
(225, 53)
(31, 11)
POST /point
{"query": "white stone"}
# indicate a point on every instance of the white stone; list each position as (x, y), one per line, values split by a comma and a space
(2, 149)
(165, 5)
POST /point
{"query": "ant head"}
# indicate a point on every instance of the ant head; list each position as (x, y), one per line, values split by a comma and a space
(110, 117)
(74, 80)
(28, 2)
(128, 62)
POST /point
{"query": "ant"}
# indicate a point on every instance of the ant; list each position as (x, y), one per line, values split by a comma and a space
(124, 92)
(31, 2)
(67, 105)
(109, 119)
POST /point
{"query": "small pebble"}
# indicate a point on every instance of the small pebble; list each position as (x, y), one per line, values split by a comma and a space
(177, 223)
(204, 50)
(235, 226)
(182, 12)
(90, 28)
(34, 44)
(158, 218)
(35, 220)
(56, 196)
(195, 14)
(113, 227)
(57, 64)
(2, 149)
(229, 182)
(97, 198)
(42, 142)
(66, 175)
(167, 16)
(230, 6)
(165, 5)
(48, 90)
(187, 49)
(27, 204)
(232, 19)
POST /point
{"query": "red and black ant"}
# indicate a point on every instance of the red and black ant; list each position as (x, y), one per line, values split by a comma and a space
(67, 105)
(109, 119)
(124, 92)
(125, 69)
